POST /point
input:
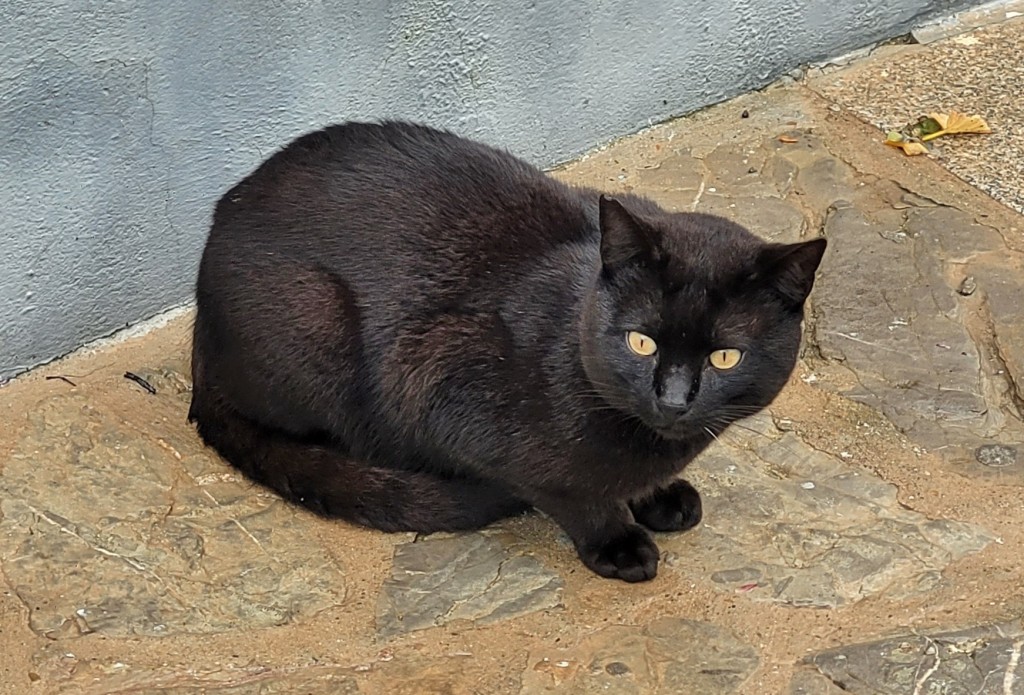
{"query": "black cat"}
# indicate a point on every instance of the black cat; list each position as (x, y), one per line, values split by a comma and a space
(416, 332)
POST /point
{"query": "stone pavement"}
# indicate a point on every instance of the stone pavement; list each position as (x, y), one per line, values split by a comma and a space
(863, 536)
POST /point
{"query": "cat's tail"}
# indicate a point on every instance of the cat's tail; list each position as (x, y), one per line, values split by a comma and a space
(330, 484)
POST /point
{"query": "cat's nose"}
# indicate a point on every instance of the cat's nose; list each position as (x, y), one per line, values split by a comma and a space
(673, 404)
(673, 411)
(677, 392)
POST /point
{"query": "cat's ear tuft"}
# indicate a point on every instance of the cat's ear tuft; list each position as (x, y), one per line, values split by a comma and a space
(623, 236)
(791, 267)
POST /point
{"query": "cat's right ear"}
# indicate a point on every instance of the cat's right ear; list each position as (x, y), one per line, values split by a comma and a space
(791, 268)
(623, 237)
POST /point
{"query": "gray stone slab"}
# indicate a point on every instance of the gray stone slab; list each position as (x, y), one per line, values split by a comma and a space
(668, 656)
(819, 179)
(466, 577)
(677, 182)
(812, 683)
(788, 524)
(977, 661)
(773, 219)
(890, 315)
(738, 168)
(743, 182)
(113, 531)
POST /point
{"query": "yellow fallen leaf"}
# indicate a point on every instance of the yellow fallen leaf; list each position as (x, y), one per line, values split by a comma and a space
(913, 148)
(909, 147)
(955, 122)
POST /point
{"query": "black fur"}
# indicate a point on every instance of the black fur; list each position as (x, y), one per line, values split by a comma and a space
(416, 332)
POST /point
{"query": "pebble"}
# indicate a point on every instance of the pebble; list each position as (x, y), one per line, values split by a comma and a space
(617, 668)
(996, 455)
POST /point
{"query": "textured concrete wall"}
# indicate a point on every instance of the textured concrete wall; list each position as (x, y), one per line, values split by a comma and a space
(122, 122)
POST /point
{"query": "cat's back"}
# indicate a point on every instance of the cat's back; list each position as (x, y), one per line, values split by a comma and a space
(355, 192)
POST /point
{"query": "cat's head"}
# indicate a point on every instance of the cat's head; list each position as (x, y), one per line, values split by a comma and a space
(693, 321)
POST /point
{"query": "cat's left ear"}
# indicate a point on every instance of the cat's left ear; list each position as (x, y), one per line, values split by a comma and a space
(790, 268)
(623, 236)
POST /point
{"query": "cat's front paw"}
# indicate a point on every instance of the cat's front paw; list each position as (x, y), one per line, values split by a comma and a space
(630, 556)
(675, 507)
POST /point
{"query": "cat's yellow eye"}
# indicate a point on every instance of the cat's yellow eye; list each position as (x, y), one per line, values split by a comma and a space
(727, 358)
(641, 344)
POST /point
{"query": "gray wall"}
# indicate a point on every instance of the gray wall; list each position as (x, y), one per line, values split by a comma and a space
(123, 121)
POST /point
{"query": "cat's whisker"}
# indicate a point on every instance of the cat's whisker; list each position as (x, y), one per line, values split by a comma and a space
(739, 425)
(741, 443)
(713, 435)
(745, 410)
(729, 423)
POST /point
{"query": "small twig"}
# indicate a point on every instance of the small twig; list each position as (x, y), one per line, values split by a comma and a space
(923, 677)
(62, 378)
(1010, 675)
(141, 382)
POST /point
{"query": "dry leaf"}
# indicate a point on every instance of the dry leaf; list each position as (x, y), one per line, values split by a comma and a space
(913, 148)
(909, 147)
(955, 122)
(788, 139)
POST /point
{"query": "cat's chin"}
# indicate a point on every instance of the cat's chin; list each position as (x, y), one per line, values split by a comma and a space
(678, 431)
(673, 435)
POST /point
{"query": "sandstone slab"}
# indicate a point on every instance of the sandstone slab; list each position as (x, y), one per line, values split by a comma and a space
(63, 672)
(667, 656)
(788, 524)
(465, 577)
(110, 530)
(894, 321)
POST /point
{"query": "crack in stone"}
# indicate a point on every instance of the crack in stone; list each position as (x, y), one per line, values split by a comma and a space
(933, 201)
(147, 67)
(440, 620)
(1015, 391)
